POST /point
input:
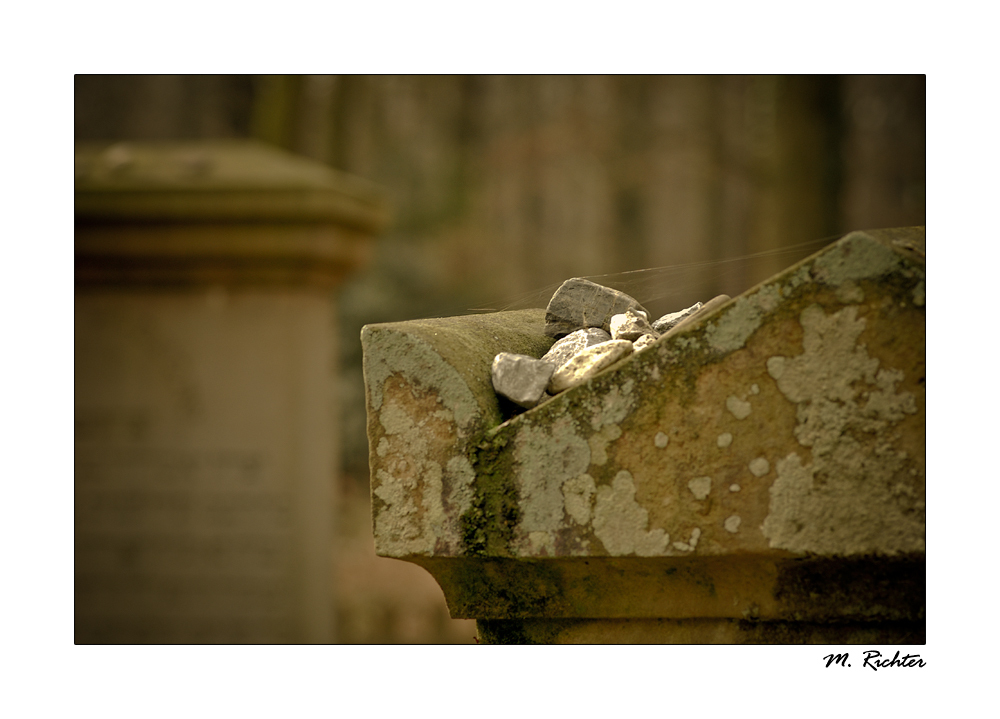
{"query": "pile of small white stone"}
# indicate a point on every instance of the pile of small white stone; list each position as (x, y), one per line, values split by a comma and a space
(595, 327)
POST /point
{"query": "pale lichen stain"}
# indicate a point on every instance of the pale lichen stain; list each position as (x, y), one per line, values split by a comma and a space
(725, 439)
(547, 458)
(691, 544)
(661, 440)
(739, 408)
(853, 510)
(855, 257)
(622, 524)
(414, 518)
(578, 494)
(700, 487)
(389, 353)
(741, 319)
(759, 467)
(732, 524)
(599, 441)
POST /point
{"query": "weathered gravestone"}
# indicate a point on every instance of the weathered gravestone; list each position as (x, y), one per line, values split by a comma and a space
(204, 408)
(757, 475)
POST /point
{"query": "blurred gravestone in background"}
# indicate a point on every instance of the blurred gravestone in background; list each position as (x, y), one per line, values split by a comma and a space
(502, 186)
(205, 373)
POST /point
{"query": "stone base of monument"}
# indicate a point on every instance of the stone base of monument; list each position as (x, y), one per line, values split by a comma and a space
(756, 475)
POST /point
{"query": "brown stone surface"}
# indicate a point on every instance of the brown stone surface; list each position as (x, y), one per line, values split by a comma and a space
(773, 443)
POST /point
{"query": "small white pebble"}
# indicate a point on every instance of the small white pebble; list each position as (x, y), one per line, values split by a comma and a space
(661, 440)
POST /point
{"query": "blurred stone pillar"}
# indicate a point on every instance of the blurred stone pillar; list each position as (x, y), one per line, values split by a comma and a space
(205, 371)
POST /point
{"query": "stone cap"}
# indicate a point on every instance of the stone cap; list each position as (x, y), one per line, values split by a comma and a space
(769, 445)
(218, 212)
(219, 180)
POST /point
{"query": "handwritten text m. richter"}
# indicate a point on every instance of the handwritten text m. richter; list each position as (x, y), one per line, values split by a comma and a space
(873, 660)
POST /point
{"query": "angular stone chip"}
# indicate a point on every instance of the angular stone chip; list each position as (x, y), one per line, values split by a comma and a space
(520, 378)
(643, 342)
(630, 326)
(572, 344)
(669, 320)
(580, 303)
(588, 363)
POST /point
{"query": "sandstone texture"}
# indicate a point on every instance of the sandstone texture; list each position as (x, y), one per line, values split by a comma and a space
(761, 461)
(580, 303)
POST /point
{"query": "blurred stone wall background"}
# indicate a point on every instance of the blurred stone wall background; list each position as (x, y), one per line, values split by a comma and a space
(504, 185)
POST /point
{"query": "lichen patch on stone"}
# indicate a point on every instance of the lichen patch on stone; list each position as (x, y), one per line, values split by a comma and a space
(547, 457)
(691, 544)
(622, 524)
(845, 407)
(776, 366)
(739, 407)
(855, 257)
(661, 440)
(759, 467)
(613, 406)
(578, 494)
(730, 331)
(389, 353)
(732, 524)
(700, 487)
(725, 439)
(598, 442)
(420, 501)
(849, 292)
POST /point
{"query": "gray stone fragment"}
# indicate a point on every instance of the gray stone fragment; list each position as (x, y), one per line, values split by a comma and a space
(587, 363)
(668, 321)
(630, 326)
(580, 303)
(573, 343)
(643, 342)
(520, 378)
(706, 309)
